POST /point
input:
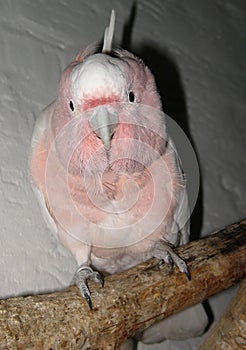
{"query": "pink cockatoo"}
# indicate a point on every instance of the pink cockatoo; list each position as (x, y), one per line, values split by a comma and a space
(108, 177)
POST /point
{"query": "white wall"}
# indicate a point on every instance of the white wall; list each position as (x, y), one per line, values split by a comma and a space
(195, 46)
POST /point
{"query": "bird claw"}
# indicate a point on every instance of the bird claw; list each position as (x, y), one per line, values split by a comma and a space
(87, 298)
(100, 280)
(163, 251)
(170, 261)
(82, 274)
(187, 273)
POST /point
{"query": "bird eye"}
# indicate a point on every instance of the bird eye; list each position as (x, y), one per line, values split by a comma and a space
(131, 96)
(71, 105)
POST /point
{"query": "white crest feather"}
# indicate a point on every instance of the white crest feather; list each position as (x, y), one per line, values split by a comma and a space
(108, 34)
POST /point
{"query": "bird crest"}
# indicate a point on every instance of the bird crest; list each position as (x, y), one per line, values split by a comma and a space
(108, 34)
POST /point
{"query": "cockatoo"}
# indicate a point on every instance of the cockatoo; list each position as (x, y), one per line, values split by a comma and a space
(108, 177)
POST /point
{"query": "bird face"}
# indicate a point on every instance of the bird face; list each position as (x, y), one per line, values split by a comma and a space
(104, 120)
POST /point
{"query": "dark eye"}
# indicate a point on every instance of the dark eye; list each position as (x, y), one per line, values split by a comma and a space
(71, 105)
(131, 96)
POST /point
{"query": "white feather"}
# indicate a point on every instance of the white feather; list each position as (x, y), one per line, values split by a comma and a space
(108, 34)
(46, 215)
(41, 125)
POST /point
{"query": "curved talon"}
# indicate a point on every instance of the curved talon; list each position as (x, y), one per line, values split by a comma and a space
(82, 274)
(164, 251)
(187, 273)
(170, 261)
(100, 279)
(88, 299)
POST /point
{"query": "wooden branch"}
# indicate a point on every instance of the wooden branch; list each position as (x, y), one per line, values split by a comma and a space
(230, 331)
(130, 301)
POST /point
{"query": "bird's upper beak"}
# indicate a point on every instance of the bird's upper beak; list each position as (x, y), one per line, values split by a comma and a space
(103, 122)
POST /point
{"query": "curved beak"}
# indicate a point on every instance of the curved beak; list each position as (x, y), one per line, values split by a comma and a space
(103, 122)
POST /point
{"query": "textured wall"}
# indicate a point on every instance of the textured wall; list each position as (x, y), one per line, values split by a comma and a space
(196, 50)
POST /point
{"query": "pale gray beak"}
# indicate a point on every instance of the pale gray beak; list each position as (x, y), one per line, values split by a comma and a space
(103, 122)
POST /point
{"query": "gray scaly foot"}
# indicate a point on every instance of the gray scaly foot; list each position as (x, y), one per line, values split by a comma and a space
(82, 274)
(163, 251)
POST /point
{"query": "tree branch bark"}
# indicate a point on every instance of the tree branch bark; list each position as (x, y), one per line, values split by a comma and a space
(130, 301)
(229, 332)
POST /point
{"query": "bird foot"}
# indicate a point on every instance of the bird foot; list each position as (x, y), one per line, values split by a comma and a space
(163, 251)
(82, 274)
